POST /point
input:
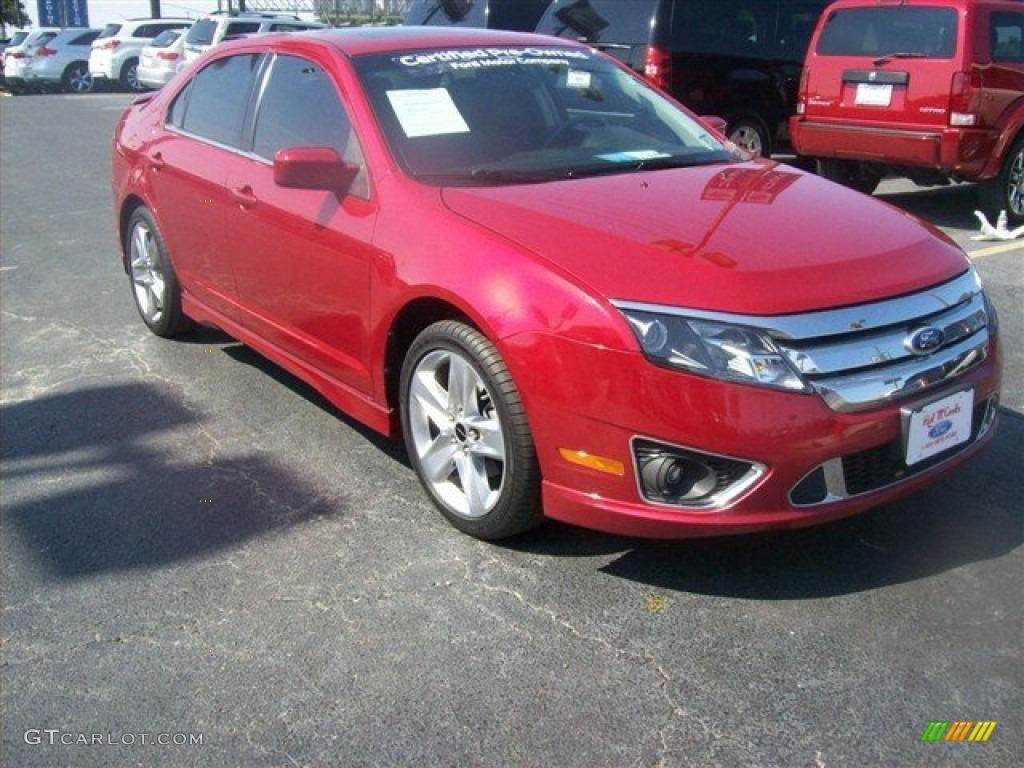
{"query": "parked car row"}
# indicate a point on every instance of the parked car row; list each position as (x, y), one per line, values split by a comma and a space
(134, 54)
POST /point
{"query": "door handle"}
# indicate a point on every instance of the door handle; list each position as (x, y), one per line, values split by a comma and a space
(244, 196)
(156, 161)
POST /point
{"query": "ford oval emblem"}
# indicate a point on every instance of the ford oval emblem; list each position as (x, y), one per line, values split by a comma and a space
(924, 341)
(940, 429)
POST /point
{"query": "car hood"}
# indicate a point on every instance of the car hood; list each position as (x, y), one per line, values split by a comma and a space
(754, 238)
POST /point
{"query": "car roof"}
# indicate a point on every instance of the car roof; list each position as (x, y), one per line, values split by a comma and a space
(357, 41)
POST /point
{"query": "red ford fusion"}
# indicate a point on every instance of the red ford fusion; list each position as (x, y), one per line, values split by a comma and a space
(569, 296)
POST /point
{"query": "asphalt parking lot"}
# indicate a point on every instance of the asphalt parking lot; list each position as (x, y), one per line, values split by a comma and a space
(205, 564)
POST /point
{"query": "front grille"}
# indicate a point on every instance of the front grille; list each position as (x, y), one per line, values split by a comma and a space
(876, 468)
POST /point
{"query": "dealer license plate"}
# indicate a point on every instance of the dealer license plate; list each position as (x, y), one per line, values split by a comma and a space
(873, 95)
(938, 426)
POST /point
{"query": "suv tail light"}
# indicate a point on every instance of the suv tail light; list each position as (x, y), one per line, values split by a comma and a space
(168, 55)
(109, 45)
(801, 94)
(17, 55)
(44, 51)
(658, 67)
(964, 99)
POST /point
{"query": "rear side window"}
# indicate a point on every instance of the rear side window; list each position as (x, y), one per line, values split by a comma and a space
(300, 108)
(749, 28)
(109, 31)
(201, 33)
(913, 31)
(1006, 34)
(166, 38)
(447, 13)
(241, 28)
(84, 39)
(217, 98)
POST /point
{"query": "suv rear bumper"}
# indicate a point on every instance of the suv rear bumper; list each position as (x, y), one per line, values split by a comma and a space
(963, 152)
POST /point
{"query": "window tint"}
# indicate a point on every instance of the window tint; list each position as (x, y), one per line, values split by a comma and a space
(880, 31)
(300, 108)
(201, 33)
(241, 28)
(166, 38)
(1007, 31)
(84, 39)
(109, 31)
(176, 112)
(216, 104)
(626, 22)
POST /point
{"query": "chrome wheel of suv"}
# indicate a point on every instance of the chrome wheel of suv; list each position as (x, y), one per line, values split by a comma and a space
(1005, 192)
(749, 134)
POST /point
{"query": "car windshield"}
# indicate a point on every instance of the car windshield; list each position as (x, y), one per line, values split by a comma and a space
(487, 116)
(17, 39)
(201, 33)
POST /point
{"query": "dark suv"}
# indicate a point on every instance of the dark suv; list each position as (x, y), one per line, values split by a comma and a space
(520, 15)
(932, 90)
(737, 59)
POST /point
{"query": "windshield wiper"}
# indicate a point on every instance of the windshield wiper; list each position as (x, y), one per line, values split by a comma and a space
(899, 55)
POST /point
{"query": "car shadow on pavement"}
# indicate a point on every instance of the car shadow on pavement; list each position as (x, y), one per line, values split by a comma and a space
(970, 516)
(951, 206)
(124, 477)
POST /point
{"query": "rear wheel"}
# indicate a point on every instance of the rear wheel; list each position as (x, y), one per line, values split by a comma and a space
(154, 283)
(130, 76)
(858, 176)
(1006, 191)
(77, 78)
(750, 133)
(466, 433)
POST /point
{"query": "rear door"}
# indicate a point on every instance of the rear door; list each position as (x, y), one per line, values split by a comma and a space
(885, 64)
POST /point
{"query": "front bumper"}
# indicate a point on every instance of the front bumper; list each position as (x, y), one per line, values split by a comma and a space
(603, 400)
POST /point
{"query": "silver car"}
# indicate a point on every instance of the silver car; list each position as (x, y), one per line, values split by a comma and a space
(159, 61)
(62, 63)
(16, 56)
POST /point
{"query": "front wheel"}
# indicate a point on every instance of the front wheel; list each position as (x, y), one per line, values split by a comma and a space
(154, 283)
(466, 433)
(1005, 192)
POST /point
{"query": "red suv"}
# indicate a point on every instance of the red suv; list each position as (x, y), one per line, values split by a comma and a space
(928, 89)
(570, 296)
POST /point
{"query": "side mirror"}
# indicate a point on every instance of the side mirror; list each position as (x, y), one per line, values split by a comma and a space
(313, 168)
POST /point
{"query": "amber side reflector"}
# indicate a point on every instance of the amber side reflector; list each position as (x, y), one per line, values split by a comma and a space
(601, 464)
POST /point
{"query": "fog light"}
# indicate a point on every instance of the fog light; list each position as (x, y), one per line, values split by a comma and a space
(683, 477)
(671, 478)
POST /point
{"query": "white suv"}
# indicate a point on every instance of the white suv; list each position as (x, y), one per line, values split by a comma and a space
(214, 28)
(115, 53)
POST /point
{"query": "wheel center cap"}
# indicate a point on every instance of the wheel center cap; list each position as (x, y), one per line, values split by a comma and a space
(461, 433)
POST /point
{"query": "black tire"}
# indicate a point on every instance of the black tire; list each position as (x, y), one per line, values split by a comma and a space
(77, 79)
(858, 176)
(461, 412)
(1005, 192)
(154, 284)
(130, 76)
(751, 134)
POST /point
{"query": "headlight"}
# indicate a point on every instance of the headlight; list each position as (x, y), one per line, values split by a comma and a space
(723, 351)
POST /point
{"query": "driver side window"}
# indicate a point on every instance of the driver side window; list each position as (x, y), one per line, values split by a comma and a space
(300, 107)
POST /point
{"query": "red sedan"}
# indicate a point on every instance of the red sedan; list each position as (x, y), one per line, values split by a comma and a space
(569, 295)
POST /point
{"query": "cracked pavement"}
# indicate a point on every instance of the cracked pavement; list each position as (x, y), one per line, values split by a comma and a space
(194, 542)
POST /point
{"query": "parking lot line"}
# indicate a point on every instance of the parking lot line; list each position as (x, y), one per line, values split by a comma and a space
(992, 250)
